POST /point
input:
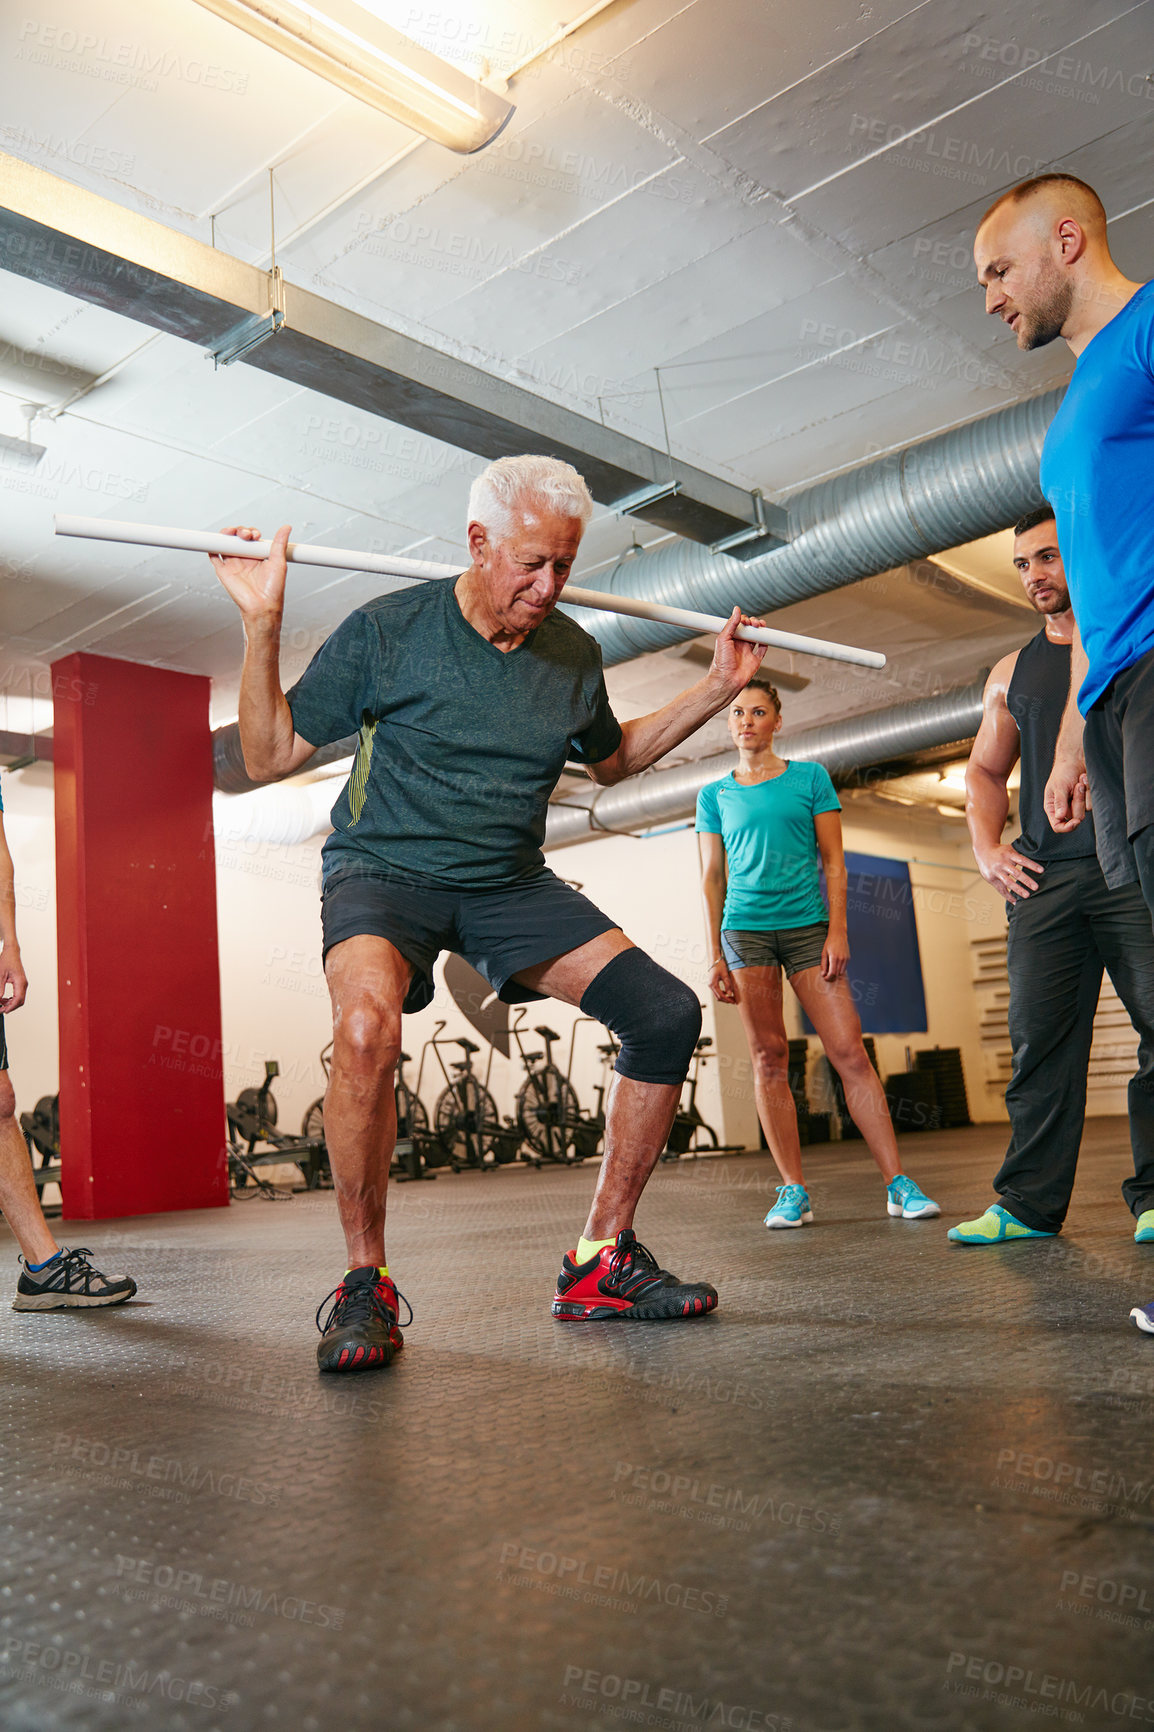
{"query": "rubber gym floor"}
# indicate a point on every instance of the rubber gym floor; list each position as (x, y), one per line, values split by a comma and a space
(892, 1483)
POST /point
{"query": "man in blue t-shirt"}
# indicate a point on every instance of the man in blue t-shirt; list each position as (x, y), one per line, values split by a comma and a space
(468, 697)
(1044, 260)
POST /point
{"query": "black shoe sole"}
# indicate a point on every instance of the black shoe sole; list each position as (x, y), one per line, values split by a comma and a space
(657, 1311)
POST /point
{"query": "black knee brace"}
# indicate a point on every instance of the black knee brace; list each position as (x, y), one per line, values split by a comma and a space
(654, 1015)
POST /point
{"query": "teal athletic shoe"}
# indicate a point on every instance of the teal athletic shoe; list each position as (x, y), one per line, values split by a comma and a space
(791, 1209)
(906, 1199)
(995, 1227)
(1144, 1231)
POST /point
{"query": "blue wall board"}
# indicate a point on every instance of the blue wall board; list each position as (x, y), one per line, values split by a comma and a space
(885, 968)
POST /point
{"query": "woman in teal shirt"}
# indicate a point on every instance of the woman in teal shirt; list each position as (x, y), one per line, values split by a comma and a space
(761, 830)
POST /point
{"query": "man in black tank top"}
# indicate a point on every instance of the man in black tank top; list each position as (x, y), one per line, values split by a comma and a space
(1065, 926)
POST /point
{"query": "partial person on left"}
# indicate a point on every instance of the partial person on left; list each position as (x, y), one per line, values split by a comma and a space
(52, 1278)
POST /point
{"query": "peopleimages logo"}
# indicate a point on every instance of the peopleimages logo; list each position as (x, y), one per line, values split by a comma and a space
(605, 1578)
(1030, 1688)
(668, 1706)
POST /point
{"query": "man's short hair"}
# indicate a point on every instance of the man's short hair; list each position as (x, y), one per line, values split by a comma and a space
(1084, 195)
(1034, 519)
(510, 482)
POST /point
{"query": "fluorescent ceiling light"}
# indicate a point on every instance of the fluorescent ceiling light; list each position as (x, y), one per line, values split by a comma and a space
(375, 63)
(19, 453)
(22, 453)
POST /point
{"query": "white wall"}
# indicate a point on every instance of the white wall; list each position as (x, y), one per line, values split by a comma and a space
(275, 1004)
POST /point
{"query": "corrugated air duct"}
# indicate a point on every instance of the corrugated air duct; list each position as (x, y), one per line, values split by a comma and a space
(911, 504)
(879, 737)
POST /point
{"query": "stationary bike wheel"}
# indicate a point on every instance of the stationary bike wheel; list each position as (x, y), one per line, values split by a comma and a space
(313, 1171)
(466, 1121)
(412, 1119)
(547, 1113)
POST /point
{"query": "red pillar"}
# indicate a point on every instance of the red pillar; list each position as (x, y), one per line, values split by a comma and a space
(141, 1092)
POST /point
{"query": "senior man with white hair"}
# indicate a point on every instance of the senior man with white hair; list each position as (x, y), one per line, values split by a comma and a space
(469, 696)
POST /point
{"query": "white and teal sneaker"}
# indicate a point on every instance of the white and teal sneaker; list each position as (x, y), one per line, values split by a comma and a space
(791, 1209)
(904, 1198)
(1144, 1231)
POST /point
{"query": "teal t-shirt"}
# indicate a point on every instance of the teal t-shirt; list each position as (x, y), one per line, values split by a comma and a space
(771, 853)
(461, 743)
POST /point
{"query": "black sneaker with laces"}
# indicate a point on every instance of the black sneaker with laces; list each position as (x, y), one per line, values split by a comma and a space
(361, 1330)
(69, 1281)
(623, 1280)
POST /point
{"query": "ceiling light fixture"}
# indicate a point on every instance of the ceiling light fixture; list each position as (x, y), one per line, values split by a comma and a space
(22, 453)
(368, 59)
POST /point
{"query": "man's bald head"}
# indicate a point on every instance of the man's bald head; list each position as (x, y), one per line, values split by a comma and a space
(1035, 248)
(1049, 197)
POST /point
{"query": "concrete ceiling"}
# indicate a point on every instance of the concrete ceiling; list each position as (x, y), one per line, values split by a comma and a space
(772, 205)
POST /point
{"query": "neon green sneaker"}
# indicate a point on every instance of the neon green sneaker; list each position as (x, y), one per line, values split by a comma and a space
(1144, 1231)
(995, 1227)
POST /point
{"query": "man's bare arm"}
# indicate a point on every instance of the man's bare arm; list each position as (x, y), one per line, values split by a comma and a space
(649, 737)
(996, 751)
(13, 980)
(271, 746)
(1066, 789)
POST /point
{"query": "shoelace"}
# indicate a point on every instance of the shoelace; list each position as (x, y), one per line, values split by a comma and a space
(73, 1264)
(627, 1257)
(360, 1304)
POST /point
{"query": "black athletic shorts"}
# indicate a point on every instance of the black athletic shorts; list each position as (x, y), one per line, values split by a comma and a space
(792, 947)
(1119, 747)
(499, 931)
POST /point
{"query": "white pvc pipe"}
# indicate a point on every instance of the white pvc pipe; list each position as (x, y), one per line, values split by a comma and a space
(391, 565)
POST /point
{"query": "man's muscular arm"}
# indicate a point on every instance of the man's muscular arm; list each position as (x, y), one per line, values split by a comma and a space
(996, 751)
(271, 746)
(648, 738)
(1066, 789)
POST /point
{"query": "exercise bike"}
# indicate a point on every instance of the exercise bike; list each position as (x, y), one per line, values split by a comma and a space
(466, 1123)
(252, 1118)
(589, 1131)
(688, 1129)
(412, 1125)
(546, 1111)
(41, 1128)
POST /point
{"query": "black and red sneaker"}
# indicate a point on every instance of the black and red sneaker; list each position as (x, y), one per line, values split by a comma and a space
(361, 1330)
(623, 1280)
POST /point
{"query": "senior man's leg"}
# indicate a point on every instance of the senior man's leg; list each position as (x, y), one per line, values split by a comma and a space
(368, 978)
(657, 1019)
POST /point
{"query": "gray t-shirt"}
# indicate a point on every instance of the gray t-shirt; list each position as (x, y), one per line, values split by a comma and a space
(461, 743)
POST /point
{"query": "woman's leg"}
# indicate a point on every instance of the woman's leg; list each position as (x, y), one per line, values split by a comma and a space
(829, 1006)
(759, 1000)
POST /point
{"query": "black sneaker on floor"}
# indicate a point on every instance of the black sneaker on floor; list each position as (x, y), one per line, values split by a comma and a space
(623, 1280)
(69, 1281)
(361, 1330)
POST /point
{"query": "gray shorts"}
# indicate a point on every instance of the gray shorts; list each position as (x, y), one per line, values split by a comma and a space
(792, 948)
(499, 931)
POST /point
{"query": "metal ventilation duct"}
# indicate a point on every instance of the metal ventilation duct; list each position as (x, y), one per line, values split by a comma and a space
(878, 738)
(910, 505)
(229, 775)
